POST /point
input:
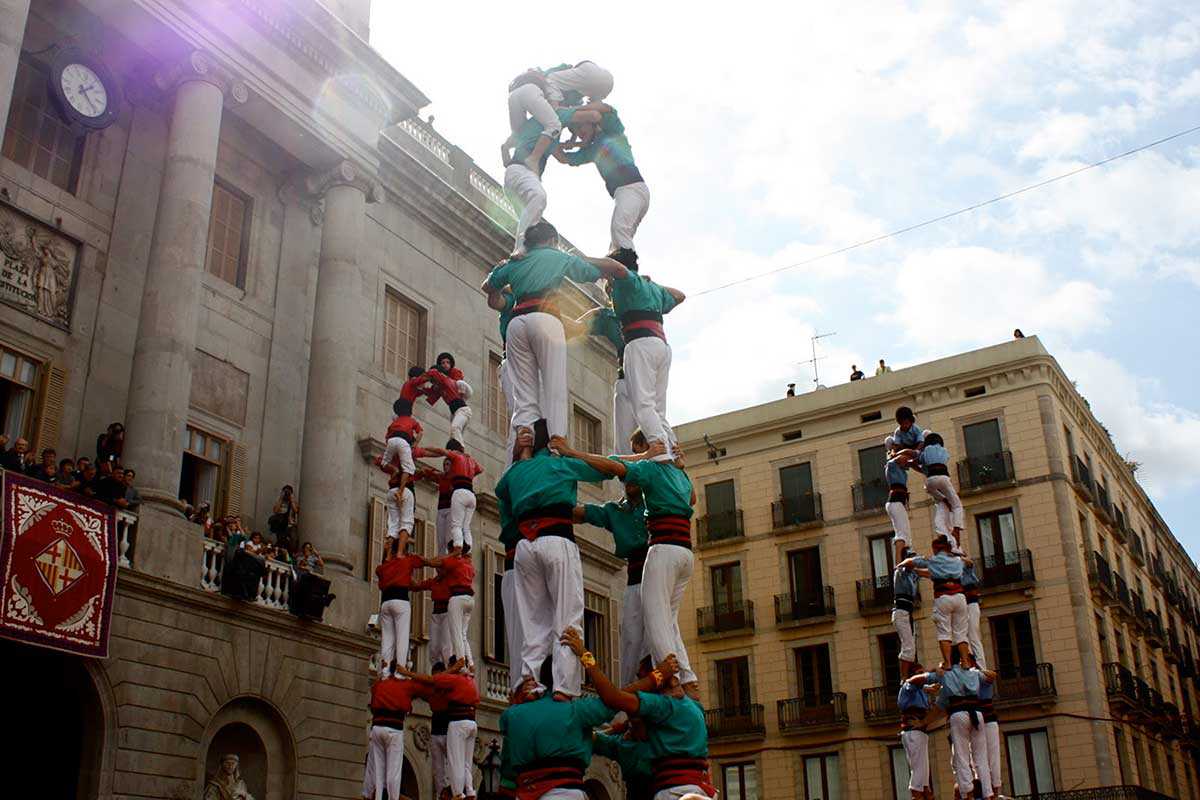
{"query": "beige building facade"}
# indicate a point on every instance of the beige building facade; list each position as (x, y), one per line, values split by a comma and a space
(1089, 609)
(238, 250)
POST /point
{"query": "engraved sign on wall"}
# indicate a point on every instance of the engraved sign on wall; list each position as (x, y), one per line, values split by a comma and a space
(37, 272)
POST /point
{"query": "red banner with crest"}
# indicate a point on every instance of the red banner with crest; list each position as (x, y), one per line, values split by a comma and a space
(58, 561)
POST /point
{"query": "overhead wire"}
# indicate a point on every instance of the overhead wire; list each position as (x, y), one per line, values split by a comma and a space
(943, 217)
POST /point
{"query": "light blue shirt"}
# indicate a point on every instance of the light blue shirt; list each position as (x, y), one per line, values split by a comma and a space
(909, 439)
(904, 582)
(987, 689)
(969, 578)
(912, 697)
(959, 682)
(894, 473)
(934, 454)
(942, 566)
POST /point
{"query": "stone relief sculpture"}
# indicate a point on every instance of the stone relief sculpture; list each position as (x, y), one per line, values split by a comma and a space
(227, 783)
(37, 266)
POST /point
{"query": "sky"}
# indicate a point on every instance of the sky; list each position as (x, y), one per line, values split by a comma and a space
(770, 133)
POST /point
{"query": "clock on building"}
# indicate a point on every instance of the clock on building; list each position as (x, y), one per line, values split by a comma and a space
(84, 88)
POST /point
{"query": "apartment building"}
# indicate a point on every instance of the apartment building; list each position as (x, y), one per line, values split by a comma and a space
(1089, 604)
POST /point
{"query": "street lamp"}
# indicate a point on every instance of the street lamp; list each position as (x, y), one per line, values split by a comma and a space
(489, 767)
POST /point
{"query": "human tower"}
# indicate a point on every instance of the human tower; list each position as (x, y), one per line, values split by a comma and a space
(650, 719)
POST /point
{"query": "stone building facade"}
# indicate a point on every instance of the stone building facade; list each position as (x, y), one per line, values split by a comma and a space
(239, 256)
(1089, 606)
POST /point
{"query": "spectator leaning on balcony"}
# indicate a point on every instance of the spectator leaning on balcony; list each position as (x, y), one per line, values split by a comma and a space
(109, 486)
(310, 594)
(285, 514)
(246, 568)
(47, 470)
(88, 480)
(132, 499)
(67, 477)
(80, 466)
(13, 458)
(111, 442)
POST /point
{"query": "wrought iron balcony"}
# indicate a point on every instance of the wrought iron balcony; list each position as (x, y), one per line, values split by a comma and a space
(1155, 636)
(720, 527)
(870, 496)
(1139, 611)
(1124, 602)
(814, 606)
(879, 704)
(986, 471)
(876, 595)
(1082, 479)
(1104, 508)
(725, 618)
(1120, 527)
(1007, 570)
(1172, 651)
(1137, 550)
(1121, 686)
(818, 713)
(1026, 687)
(790, 512)
(740, 721)
(1101, 578)
(1099, 793)
(1157, 573)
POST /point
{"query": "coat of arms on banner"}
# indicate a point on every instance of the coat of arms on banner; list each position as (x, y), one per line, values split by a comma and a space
(58, 561)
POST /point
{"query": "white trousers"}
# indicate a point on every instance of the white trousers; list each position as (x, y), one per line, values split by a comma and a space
(400, 451)
(992, 732)
(537, 365)
(676, 792)
(507, 389)
(462, 510)
(387, 750)
(973, 636)
(524, 188)
(549, 579)
(513, 638)
(898, 513)
(460, 755)
(565, 794)
(624, 422)
(970, 750)
(916, 750)
(902, 622)
(368, 789)
(401, 508)
(528, 99)
(630, 203)
(941, 489)
(664, 580)
(647, 372)
(458, 626)
(439, 639)
(395, 623)
(441, 531)
(589, 79)
(950, 618)
(633, 634)
(437, 754)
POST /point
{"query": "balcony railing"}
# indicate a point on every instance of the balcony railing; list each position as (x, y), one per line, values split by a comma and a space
(1082, 479)
(1157, 573)
(495, 682)
(804, 509)
(1120, 685)
(1155, 636)
(1139, 611)
(1172, 651)
(870, 495)
(273, 588)
(1025, 687)
(725, 618)
(803, 714)
(876, 594)
(1124, 602)
(981, 472)
(1098, 793)
(743, 721)
(1136, 550)
(1007, 570)
(1120, 527)
(1103, 504)
(126, 536)
(879, 704)
(815, 605)
(720, 527)
(1101, 578)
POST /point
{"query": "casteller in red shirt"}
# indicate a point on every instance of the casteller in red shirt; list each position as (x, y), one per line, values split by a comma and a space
(391, 700)
(459, 574)
(395, 576)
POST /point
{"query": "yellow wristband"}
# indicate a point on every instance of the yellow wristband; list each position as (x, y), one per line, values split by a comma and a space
(588, 659)
(658, 677)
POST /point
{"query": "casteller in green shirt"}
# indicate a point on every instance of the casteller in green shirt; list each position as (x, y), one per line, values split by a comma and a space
(625, 521)
(674, 726)
(636, 759)
(636, 293)
(526, 138)
(541, 271)
(666, 489)
(541, 481)
(538, 730)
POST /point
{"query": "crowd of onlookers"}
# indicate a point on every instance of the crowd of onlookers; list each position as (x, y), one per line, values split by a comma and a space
(104, 479)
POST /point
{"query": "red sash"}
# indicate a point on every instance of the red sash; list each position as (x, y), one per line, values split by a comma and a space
(535, 782)
(670, 529)
(680, 771)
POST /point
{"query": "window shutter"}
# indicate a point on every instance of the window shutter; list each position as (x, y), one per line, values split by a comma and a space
(235, 480)
(377, 520)
(489, 602)
(50, 411)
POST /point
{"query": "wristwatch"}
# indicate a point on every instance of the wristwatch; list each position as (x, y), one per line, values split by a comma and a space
(587, 659)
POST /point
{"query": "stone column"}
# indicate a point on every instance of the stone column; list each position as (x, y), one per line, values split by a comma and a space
(13, 14)
(329, 450)
(160, 384)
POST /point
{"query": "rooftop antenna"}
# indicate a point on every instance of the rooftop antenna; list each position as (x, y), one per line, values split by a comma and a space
(815, 358)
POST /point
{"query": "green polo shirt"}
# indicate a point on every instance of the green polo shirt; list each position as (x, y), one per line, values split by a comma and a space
(635, 293)
(540, 481)
(542, 270)
(526, 137)
(627, 524)
(610, 151)
(546, 728)
(506, 315)
(666, 489)
(674, 726)
(633, 757)
(607, 324)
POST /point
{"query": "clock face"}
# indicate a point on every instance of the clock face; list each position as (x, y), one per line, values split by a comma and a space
(84, 90)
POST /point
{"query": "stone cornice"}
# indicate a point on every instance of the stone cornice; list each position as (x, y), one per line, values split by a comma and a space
(345, 173)
(201, 66)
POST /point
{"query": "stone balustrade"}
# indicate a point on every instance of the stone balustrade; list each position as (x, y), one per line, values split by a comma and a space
(126, 537)
(273, 589)
(495, 682)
